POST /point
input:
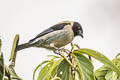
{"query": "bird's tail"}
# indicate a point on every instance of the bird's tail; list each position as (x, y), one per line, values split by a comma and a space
(23, 46)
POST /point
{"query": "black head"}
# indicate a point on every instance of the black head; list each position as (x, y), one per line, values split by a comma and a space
(77, 29)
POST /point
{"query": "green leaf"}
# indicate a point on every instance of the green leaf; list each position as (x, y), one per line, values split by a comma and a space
(85, 67)
(101, 72)
(47, 72)
(64, 71)
(13, 73)
(108, 76)
(1, 64)
(99, 57)
(117, 55)
(38, 67)
(56, 78)
(105, 73)
(13, 52)
(116, 61)
(5, 79)
(111, 75)
(53, 56)
(43, 72)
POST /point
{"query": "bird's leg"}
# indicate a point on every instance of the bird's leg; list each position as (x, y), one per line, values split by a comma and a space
(57, 50)
(70, 52)
(58, 53)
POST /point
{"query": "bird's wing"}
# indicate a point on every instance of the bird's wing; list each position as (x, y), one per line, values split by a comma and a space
(51, 29)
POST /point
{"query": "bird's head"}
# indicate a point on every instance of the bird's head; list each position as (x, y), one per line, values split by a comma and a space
(77, 29)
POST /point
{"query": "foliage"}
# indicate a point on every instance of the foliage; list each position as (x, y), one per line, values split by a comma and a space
(2, 69)
(75, 66)
(105, 73)
(67, 65)
(9, 71)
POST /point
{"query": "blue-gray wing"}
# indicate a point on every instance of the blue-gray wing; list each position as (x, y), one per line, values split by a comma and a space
(51, 29)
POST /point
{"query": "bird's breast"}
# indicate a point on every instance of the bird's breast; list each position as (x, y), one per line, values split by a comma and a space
(61, 38)
(64, 39)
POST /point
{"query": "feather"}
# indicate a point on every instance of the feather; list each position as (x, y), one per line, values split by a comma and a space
(23, 46)
(51, 29)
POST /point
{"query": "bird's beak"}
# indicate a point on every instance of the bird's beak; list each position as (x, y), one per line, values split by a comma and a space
(81, 35)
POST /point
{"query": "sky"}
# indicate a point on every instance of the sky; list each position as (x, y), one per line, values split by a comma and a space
(100, 20)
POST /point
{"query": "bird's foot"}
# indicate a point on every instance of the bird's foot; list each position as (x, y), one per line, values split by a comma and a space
(59, 51)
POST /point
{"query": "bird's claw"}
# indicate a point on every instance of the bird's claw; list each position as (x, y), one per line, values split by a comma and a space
(59, 51)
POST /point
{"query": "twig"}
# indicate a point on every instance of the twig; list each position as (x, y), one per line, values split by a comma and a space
(7, 74)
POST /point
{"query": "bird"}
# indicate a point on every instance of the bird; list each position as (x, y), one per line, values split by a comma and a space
(55, 37)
